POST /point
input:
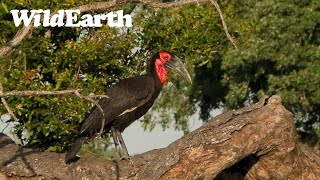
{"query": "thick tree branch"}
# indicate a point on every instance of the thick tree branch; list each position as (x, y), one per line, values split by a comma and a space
(264, 131)
(16, 40)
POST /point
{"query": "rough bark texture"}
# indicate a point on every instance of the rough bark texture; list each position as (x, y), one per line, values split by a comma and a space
(256, 142)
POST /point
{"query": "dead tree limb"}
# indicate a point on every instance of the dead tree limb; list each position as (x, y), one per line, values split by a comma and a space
(264, 131)
(37, 93)
(6, 105)
(27, 93)
(224, 24)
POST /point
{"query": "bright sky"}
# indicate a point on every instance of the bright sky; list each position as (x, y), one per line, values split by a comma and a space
(139, 141)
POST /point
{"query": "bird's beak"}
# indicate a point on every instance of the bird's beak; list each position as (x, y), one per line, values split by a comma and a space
(176, 64)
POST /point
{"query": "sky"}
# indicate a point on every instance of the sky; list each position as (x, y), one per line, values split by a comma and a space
(138, 141)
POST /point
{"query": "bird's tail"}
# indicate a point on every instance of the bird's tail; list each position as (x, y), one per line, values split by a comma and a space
(71, 154)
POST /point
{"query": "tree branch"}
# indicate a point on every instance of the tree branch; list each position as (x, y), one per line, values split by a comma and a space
(97, 104)
(264, 132)
(4, 95)
(38, 93)
(157, 4)
(224, 24)
(6, 105)
(16, 40)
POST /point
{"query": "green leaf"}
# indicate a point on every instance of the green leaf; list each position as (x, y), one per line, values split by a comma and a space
(5, 7)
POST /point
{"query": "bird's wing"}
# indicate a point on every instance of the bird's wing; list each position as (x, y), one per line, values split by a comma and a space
(124, 96)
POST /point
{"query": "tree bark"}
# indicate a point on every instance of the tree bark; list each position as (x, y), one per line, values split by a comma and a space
(256, 142)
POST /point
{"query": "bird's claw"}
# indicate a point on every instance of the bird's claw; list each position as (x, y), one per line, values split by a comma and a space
(126, 158)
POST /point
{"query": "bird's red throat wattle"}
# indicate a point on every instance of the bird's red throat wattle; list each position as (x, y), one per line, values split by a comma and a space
(162, 71)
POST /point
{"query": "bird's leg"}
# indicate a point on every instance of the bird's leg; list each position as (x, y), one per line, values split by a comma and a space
(125, 154)
(116, 141)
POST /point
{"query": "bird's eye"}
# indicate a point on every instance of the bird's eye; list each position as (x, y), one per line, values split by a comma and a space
(166, 58)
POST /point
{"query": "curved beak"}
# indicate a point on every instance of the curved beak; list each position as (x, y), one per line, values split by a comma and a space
(176, 64)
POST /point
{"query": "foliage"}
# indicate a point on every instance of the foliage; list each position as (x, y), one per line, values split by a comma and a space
(278, 54)
(93, 59)
(57, 59)
(193, 32)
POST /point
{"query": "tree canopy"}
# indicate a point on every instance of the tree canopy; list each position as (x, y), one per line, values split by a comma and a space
(278, 54)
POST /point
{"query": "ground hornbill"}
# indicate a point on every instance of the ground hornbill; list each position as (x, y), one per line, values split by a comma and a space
(129, 99)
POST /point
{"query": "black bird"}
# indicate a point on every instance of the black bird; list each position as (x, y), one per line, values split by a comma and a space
(129, 99)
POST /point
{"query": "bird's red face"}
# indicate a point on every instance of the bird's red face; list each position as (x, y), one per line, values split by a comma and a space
(164, 56)
(167, 60)
(161, 69)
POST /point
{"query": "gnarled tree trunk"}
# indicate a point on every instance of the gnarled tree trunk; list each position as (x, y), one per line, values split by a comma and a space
(256, 142)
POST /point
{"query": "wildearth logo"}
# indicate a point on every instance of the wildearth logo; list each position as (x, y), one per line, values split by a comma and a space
(69, 18)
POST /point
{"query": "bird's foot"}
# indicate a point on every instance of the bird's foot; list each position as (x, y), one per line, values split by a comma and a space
(126, 158)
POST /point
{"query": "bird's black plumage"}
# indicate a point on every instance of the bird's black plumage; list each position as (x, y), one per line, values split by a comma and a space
(129, 99)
